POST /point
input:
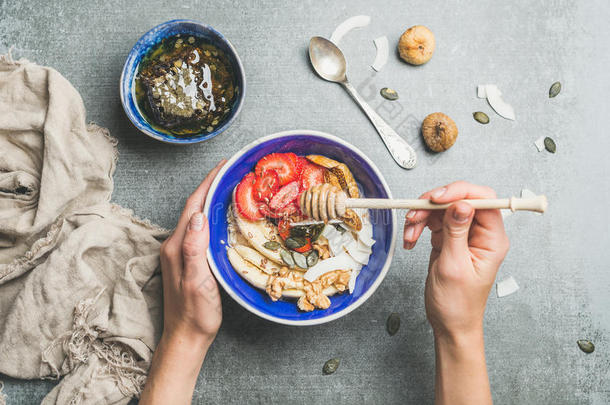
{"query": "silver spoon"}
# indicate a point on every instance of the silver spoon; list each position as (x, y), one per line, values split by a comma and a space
(329, 63)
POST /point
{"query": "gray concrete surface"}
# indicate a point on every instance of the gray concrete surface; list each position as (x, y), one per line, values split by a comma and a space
(560, 260)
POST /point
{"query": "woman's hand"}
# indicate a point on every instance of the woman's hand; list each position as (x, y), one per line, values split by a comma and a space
(467, 250)
(192, 308)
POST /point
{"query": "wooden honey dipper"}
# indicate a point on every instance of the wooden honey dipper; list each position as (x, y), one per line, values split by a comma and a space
(326, 202)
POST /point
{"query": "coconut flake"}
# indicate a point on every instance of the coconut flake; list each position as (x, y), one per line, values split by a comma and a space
(342, 261)
(525, 193)
(540, 144)
(346, 26)
(351, 284)
(494, 98)
(506, 287)
(481, 91)
(381, 57)
(357, 254)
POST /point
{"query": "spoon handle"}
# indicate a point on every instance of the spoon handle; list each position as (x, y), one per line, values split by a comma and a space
(400, 150)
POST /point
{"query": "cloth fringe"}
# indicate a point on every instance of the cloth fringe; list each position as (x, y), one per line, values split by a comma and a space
(2, 396)
(137, 220)
(25, 260)
(83, 341)
(8, 59)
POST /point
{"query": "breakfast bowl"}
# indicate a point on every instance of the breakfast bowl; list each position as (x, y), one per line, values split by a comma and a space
(182, 83)
(220, 200)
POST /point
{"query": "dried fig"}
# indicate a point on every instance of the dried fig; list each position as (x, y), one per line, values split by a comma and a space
(439, 131)
(416, 45)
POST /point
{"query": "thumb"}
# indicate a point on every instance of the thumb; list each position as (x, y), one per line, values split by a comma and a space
(195, 245)
(456, 225)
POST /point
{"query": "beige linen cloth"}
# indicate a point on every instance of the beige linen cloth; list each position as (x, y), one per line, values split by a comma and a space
(80, 286)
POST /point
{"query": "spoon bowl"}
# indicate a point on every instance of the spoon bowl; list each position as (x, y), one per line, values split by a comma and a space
(327, 60)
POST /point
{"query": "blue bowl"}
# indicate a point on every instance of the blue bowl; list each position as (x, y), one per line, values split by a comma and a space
(301, 142)
(154, 37)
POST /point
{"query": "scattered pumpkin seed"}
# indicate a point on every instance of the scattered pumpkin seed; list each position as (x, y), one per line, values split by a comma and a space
(481, 117)
(287, 258)
(389, 94)
(393, 323)
(312, 258)
(555, 89)
(549, 144)
(586, 346)
(331, 366)
(300, 259)
(271, 245)
(295, 242)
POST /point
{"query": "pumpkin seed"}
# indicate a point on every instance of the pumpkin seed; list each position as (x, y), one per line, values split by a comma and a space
(295, 242)
(312, 258)
(331, 366)
(271, 245)
(555, 89)
(316, 231)
(393, 323)
(300, 259)
(339, 228)
(481, 117)
(389, 94)
(287, 258)
(586, 346)
(549, 144)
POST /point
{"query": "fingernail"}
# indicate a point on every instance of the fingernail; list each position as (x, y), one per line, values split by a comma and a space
(438, 192)
(461, 213)
(409, 233)
(408, 245)
(196, 223)
(411, 214)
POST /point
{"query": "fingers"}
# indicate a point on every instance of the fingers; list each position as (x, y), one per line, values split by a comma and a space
(415, 223)
(195, 203)
(460, 190)
(456, 226)
(194, 247)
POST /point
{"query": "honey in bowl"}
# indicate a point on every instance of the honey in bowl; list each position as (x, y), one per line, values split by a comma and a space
(185, 86)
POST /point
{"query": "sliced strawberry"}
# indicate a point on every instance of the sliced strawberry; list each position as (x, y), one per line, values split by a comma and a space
(244, 198)
(305, 248)
(285, 196)
(301, 162)
(290, 209)
(283, 228)
(311, 175)
(266, 186)
(268, 212)
(284, 164)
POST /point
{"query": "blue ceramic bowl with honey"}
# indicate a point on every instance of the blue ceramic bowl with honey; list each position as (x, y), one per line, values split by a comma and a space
(158, 110)
(301, 142)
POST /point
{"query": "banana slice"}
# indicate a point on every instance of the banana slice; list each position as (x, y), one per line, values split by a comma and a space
(247, 270)
(255, 258)
(257, 233)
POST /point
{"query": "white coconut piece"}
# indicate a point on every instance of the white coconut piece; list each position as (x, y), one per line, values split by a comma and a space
(506, 287)
(481, 91)
(346, 26)
(525, 193)
(351, 284)
(357, 254)
(383, 50)
(342, 261)
(494, 98)
(540, 144)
